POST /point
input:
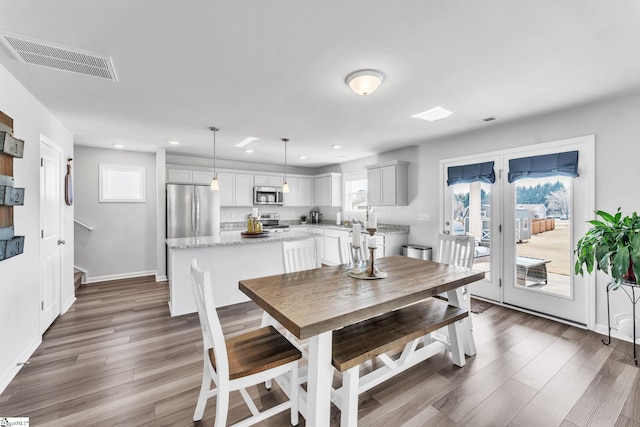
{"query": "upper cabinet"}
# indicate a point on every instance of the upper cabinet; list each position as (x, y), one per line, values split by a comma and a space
(388, 184)
(268, 180)
(328, 189)
(300, 193)
(236, 189)
(180, 176)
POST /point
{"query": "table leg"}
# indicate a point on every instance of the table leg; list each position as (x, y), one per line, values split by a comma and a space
(320, 376)
(457, 299)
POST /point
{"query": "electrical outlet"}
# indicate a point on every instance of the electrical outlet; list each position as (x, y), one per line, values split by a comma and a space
(423, 217)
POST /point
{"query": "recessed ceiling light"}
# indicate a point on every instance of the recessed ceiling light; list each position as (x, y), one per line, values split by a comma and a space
(246, 141)
(302, 157)
(174, 142)
(118, 145)
(336, 146)
(433, 114)
(248, 151)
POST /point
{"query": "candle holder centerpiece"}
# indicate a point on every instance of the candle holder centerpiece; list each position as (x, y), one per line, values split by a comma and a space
(372, 270)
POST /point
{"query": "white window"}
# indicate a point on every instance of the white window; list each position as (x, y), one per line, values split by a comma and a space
(355, 192)
(122, 183)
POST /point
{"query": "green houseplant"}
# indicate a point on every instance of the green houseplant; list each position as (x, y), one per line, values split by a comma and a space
(613, 244)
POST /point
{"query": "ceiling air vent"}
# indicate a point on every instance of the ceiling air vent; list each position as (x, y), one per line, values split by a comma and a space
(49, 55)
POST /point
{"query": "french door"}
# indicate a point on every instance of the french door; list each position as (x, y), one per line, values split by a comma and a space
(526, 230)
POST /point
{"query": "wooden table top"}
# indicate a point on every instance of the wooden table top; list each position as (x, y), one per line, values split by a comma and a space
(323, 299)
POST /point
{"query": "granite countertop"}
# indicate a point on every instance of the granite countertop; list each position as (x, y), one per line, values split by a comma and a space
(234, 239)
(383, 229)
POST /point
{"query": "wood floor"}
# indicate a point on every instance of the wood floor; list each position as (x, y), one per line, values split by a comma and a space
(118, 358)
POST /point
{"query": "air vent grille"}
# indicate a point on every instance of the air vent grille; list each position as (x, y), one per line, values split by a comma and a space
(49, 55)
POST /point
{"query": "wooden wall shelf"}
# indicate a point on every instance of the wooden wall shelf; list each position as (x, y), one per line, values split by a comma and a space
(14, 245)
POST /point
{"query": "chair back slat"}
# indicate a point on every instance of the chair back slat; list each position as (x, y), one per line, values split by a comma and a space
(300, 255)
(345, 246)
(212, 335)
(456, 250)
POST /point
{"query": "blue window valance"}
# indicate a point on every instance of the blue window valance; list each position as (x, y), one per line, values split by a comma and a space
(565, 164)
(478, 172)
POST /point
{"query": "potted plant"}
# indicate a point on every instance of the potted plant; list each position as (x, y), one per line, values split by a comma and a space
(303, 219)
(612, 244)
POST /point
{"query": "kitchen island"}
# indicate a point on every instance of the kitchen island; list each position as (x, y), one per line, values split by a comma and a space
(230, 258)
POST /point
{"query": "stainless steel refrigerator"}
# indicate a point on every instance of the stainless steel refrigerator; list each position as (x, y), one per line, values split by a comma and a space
(189, 210)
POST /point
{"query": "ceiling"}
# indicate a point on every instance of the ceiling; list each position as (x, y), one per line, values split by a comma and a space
(273, 69)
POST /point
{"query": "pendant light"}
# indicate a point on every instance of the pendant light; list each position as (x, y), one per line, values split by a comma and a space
(215, 186)
(285, 186)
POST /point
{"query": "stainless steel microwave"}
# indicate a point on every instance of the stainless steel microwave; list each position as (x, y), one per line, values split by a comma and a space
(268, 196)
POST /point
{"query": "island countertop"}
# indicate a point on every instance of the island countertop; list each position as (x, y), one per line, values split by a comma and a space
(234, 240)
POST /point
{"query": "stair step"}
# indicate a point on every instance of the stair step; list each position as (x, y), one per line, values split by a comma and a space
(77, 279)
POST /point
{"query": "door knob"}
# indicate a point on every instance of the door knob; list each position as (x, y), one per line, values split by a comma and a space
(61, 242)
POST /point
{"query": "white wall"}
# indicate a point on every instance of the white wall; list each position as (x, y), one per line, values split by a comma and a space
(123, 242)
(20, 275)
(615, 125)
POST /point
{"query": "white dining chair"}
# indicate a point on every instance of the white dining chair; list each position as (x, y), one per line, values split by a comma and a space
(459, 251)
(300, 255)
(345, 249)
(249, 359)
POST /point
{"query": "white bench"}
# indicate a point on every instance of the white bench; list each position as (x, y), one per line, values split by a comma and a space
(360, 342)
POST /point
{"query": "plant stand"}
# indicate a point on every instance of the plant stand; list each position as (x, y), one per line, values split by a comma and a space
(633, 292)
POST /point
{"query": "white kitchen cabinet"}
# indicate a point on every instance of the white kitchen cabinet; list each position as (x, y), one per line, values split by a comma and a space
(236, 189)
(332, 245)
(243, 190)
(328, 189)
(305, 194)
(299, 192)
(180, 176)
(388, 184)
(202, 177)
(268, 180)
(227, 188)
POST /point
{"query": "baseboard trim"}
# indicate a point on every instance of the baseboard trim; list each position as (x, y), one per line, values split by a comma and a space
(68, 305)
(120, 276)
(18, 364)
(161, 278)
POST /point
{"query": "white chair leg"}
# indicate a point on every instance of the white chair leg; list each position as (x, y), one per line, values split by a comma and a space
(293, 394)
(222, 406)
(267, 384)
(204, 394)
(350, 385)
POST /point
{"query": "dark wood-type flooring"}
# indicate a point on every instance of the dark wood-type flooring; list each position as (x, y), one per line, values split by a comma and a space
(118, 358)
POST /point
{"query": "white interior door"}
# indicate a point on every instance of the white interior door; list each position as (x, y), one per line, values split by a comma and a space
(51, 242)
(475, 208)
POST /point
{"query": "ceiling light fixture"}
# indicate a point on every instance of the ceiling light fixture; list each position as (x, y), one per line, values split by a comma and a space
(285, 186)
(248, 151)
(364, 82)
(433, 114)
(118, 145)
(174, 142)
(302, 157)
(246, 141)
(336, 146)
(215, 185)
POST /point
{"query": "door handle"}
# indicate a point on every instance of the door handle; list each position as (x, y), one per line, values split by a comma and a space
(61, 242)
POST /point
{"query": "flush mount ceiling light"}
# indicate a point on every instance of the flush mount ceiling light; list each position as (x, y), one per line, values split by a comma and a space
(285, 186)
(174, 142)
(364, 82)
(248, 151)
(215, 185)
(118, 145)
(433, 114)
(336, 146)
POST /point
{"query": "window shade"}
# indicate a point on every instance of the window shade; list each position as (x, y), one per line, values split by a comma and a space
(565, 164)
(482, 172)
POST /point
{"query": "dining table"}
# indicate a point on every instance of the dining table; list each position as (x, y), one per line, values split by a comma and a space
(313, 303)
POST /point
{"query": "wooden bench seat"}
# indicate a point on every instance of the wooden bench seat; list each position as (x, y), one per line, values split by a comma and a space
(363, 341)
(360, 342)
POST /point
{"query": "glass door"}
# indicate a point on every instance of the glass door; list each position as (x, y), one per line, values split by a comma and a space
(544, 218)
(474, 208)
(526, 229)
